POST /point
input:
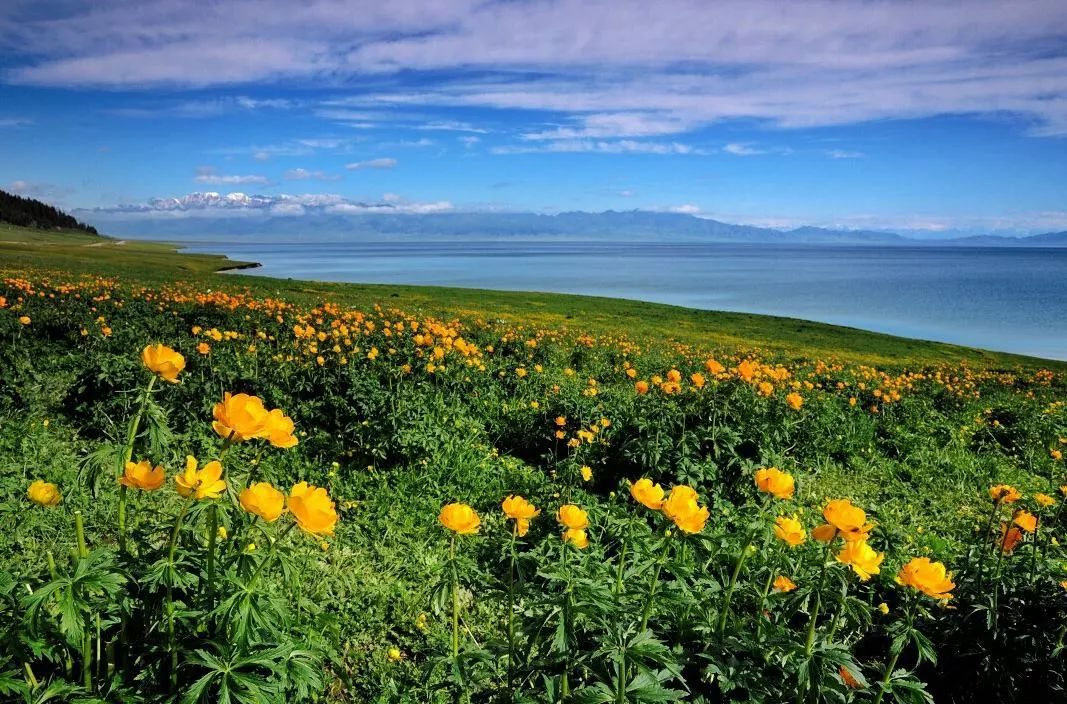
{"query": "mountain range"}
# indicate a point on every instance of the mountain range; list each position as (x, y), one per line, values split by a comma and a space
(208, 216)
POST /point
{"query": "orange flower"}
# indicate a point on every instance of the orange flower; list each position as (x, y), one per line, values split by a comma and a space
(263, 500)
(794, 400)
(1025, 520)
(206, 483)
(313, 509)
(521, 511)
(824, 533)
(279, 429)
(783, 584)
(648, 494)
(772, 480)
(1009, 538)
(576, 537)
(641, 387)
(142, 476)
(789, 531)
(240, 417)
(850, 520)
(163, 361)
(572, 517)
(928, 577)
(681, 507)
(1005, 493)
(861, 557)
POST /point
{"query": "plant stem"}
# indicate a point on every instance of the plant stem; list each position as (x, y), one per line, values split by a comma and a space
(565, 684)
(896, 655)
(985, 537)
(455, 600)
(511, 614)
(620, 573)
(87, 637)
(725, 611)
(213, 529)
(809, 641)
(172, 645)
(655, 583)
(127, 455)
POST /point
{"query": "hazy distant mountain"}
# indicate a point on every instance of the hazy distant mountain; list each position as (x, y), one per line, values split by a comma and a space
(211, 216)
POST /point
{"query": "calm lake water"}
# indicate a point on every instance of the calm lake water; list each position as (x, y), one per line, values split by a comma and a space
(1013, 300)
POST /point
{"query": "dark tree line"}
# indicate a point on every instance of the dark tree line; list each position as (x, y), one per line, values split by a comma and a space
(28, 212)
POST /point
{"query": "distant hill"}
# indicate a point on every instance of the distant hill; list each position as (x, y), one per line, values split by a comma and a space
(28, 212)
(213, 216)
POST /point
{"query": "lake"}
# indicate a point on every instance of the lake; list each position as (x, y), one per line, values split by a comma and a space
(1005, 299)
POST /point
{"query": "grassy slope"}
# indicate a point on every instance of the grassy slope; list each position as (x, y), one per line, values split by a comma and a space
(151, 261)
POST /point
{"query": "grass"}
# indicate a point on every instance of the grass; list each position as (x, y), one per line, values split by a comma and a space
(788, 337)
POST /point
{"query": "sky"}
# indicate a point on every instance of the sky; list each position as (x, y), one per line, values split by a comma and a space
(932, 118)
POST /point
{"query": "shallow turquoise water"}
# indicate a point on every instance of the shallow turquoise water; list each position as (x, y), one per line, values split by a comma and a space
(1013, 300)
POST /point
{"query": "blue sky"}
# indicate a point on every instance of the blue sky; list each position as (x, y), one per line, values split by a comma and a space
(927, 117)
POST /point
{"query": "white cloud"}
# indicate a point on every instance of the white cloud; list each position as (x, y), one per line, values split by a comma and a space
(207, 175)
(742, 150)
(844, 154)
(622, 146)
(686, 209)
(383, 163)
(306, 175)
(452, 126)
(214, 204)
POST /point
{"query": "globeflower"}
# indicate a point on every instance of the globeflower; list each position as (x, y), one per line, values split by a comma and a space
(861, 557)
(163, 361)
(641, 387)
(143, 476)
(313, 509)
(1004, 493)
(279, 429)
(1044, 500)
(928, 577)
(794, 400)
(206, 483)
(841, 516)
(681, 507)
(576, 537)
(783, 584)
(263, 500)
(459, 518)
(240, 417)
(1025, 520)
(772, 480)
(44, 493)
(789, 531)
(572, 517)
(1009, 538)
(521, 511)
(648, 494)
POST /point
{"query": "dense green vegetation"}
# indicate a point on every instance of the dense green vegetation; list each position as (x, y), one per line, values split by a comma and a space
(435, 397)
(29, 212)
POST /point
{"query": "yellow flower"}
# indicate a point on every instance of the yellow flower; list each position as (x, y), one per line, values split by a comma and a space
(850, 520)
(44, 493)
(774, 481)
(312, 508)
(1064, 584)
(1044, 500)
(789, 530)
(794, 400)
(263, 500)
(163, 361)
(394, 654)
(928, 577)
(24, 320)
(576, 537)
(240, 417)
(1026, 520)
(572, 517)
(648, 494)
(884, 608)
(279, 429)
(587, 473)
(203, 348)
(824, 533)
(1056, 455)
(142, 476)
(783, 584)
(861, 557)
(521, 510)
(681, 507)
(206, 483)
(1005, 493)
(221, 534)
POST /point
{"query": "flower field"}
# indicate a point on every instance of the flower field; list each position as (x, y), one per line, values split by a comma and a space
(219, 492)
